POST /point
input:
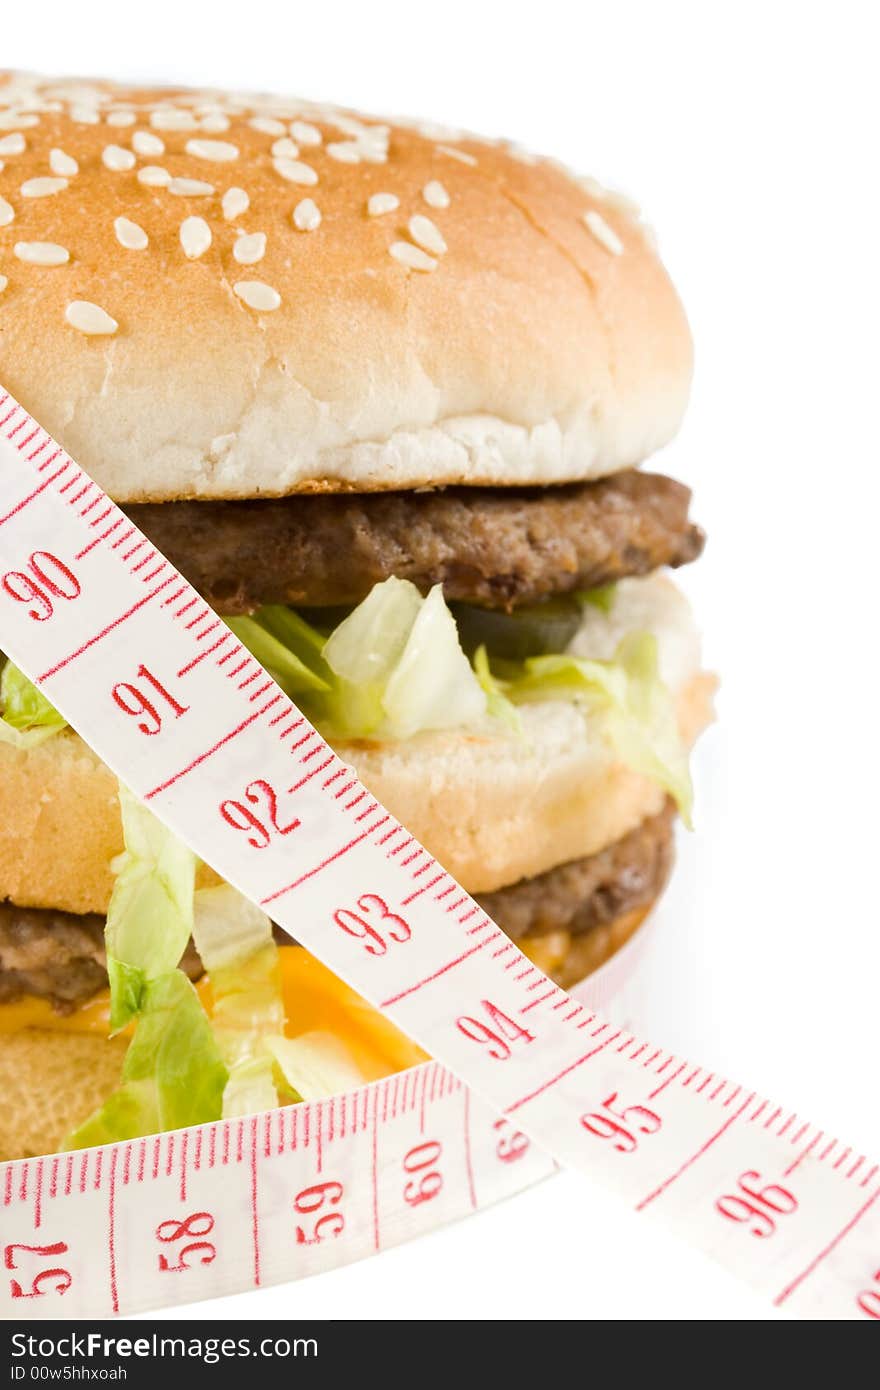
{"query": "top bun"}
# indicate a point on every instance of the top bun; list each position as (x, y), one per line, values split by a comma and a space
(211, 295)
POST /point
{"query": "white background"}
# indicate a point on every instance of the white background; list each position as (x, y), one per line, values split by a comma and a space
(749, 133)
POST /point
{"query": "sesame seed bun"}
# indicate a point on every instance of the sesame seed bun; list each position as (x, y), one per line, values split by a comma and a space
(228, 297)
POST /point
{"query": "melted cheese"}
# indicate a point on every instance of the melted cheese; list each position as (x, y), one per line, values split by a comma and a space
(314, 999)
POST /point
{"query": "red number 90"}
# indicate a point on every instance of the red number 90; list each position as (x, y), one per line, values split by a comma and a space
(48, 578)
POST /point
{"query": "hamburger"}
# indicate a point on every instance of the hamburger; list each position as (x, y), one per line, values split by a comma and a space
(382, 392)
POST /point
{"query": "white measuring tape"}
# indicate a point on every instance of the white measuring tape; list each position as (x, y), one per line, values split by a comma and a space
(161, 689)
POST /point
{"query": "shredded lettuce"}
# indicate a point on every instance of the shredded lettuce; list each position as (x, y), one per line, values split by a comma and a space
(27, 718)
(234, 941)
(393, 668)
(314, 1065)
(362, 653)
(498, 706)
(626, 695)
(284, 665)
(432, 685)
(251, 1089)
(602, 598)
(150, 918)
(173, 1074)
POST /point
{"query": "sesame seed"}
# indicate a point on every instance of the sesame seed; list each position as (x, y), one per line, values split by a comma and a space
(306, 133)
(461, 155)
(257, 295)
(307, 215)
(42, 188)
(215, 123)
(235, 201)
(605, 235)
(195, 237)
(13, 144)
(250, 248)
(63, 164)
(3, 283)
(380, 203)
(153, 176)
(266, 125)
(90, 318)
(349, 125)
(435, 194)
(144, 142)
(130, 235)
(17, 120)
(172, 118)
(121, 118)
(217, 151)
(520, 153)
(84, 115)
(285, 148)
(190, 188)
(295, 171)
(411, 256)
(432, 130)
(424, 232)
(41, 253)
(345, 151)
(7, 213)
(116, 158)
(373, 145)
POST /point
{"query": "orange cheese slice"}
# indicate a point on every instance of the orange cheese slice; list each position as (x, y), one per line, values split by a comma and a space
(314, 999)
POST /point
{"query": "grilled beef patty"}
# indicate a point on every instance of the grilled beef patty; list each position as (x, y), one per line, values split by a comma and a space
(60, 956)
(495, 547)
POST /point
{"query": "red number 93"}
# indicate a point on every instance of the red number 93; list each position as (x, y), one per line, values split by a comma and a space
(358, 924)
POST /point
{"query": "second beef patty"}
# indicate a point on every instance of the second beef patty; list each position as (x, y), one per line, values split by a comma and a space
(60, 956)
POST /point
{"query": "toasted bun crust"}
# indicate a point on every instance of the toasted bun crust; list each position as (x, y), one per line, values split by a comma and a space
(50, 1083)
(491, 811)
(539, 347)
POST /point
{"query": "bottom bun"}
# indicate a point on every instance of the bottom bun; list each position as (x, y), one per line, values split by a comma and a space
(50, 1083)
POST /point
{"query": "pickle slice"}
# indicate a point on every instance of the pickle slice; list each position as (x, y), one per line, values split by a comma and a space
(541, 629)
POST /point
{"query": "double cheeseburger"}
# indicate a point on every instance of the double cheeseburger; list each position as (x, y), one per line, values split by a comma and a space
(382, 393)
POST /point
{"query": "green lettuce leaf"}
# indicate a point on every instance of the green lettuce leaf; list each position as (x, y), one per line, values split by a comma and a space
(251, 1088)
(26, 717)
(314, 1065)
(498, 706)
(627, 696)
(234, 941)
(432, 685)
(150, 917)
(361, 654)
(392, 668)
(173, 1074)
(601, 598)
(294, 675)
